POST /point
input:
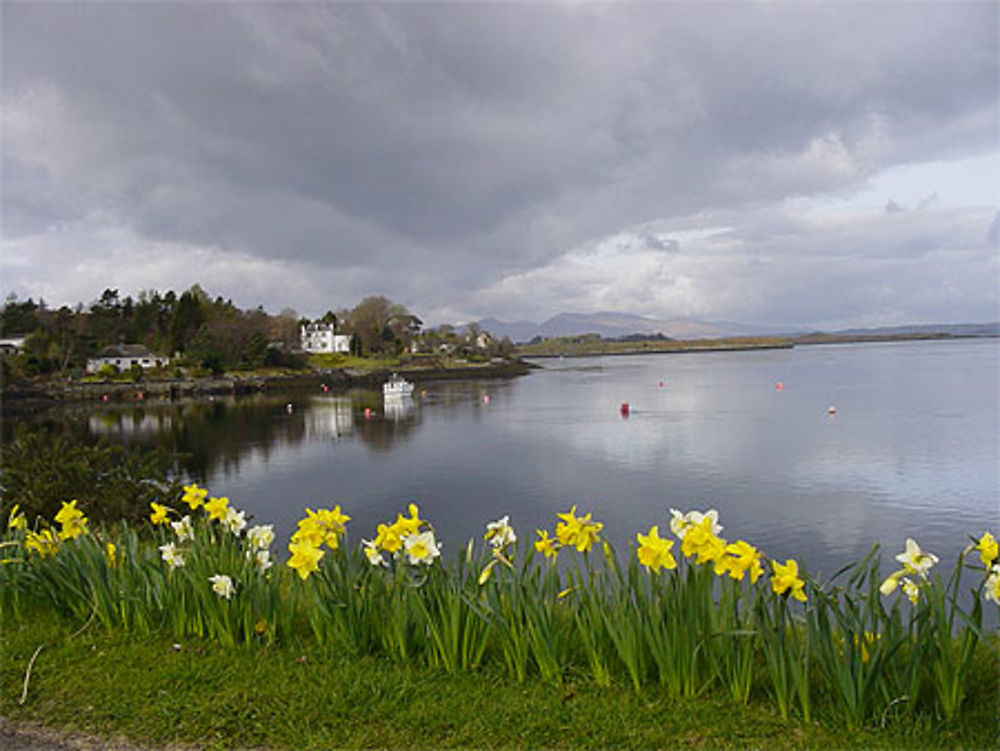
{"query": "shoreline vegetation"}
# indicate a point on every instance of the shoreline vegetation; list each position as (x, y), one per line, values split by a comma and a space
(685, 640)
(592, 345)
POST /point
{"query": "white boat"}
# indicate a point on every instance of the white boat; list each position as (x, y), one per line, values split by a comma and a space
(397, 386)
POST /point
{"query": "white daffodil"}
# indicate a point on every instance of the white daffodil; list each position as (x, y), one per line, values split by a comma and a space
(373, 553)
(421, 548)
(222, 585)
(911, 590)
(172, 555)
(500, 533)
(915, 560)
(183, 529)
(261, 536)
(262, 559)
(992, 590)
(235, 520)
(680, 523)
(890, 584)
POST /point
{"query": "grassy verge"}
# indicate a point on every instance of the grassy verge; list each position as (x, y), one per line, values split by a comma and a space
(295, 696)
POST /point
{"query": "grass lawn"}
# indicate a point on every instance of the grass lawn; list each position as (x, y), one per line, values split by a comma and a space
(293, 697)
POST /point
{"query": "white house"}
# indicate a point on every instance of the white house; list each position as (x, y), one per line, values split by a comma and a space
(11, 345)
(320, 338)
(124, 356)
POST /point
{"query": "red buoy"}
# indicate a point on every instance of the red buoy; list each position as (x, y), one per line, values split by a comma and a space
(661, 384)
(486, 398)
(625, 409)
(779, 386)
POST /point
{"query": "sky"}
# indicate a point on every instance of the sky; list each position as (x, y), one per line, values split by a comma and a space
(779, 163)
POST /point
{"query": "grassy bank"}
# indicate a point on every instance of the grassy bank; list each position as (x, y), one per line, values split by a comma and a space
(189, 627)
(296, 696)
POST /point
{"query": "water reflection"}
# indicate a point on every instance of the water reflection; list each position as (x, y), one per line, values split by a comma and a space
(911, 451)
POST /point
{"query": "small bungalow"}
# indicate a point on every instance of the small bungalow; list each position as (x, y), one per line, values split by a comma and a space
(124, 356)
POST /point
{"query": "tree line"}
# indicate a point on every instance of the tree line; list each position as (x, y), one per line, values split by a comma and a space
(212, 334)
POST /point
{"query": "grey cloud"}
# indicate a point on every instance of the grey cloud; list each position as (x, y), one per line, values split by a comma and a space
(454, 144)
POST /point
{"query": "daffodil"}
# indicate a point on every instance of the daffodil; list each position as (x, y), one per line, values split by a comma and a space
(579, 532)
(786, 579)
(889, 585)
(914, 560)
(742, 557)
(262, 559)
(73, 522)
(699, 540)
(305, 558)
(654, 551)
(183, 529)
(159, 515)
(500, 533)
(911, 590)
(411, 525)
(216, 508)
(111, 554)
(373, 553)
(45, 543)
(222, 585)
(988, 549)
(421, 548)
(261, 536)
(992, 588)
(172, 555)
(545, 545)
(681, 522)
(194, 496)
(17, 519)
(235, 521)
(387, 538)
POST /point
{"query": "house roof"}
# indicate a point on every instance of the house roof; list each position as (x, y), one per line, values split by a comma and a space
(126, 350)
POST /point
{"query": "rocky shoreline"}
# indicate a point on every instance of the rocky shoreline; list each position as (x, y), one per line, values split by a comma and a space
(28, 397)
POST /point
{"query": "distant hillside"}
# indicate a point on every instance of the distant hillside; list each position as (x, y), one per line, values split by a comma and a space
(613, 325)
(610, 325)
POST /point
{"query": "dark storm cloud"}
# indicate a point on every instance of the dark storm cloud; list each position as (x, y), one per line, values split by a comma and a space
(455, 144)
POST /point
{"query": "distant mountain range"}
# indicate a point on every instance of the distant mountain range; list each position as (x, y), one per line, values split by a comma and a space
(611, 325)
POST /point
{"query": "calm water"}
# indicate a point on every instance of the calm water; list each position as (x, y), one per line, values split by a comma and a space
(912, 449)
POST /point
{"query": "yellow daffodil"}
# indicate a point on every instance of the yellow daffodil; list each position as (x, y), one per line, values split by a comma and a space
(324, 526)
(222, 585)
(159, 515)
(305, 558)
(216, 508)
(73, 522)
(699, 540)
(421, 548)
(545, 545)
(194, 496)
(654, 551)
(988, 549)
(742, 557)
(579, 532)
(111, 553)
(786, 579)
(869, 641)
(45, 543)
(409, 526)
(914, 560)
(17, 520)
(387, 538)
(500, 534)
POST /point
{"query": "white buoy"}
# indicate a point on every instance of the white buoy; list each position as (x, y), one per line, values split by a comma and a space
(831, 410)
